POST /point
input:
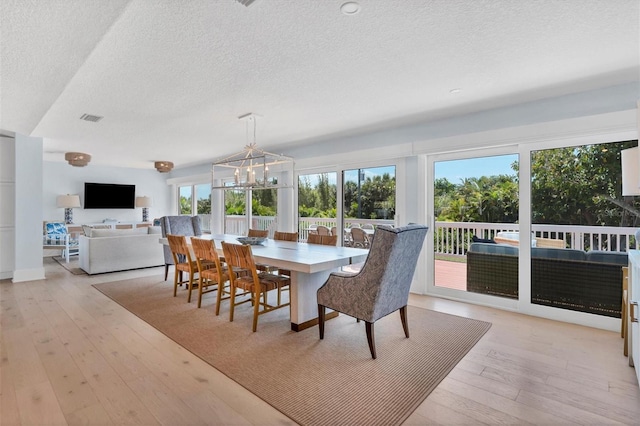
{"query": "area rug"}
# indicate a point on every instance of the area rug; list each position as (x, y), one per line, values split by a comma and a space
(72, 266)
(314, 382)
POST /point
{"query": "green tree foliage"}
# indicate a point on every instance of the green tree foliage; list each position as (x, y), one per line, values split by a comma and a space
(204, 205)
(485, 199)
(318, 200)
(375, 199)
(263, 202)
(581, 186)
(185, 205)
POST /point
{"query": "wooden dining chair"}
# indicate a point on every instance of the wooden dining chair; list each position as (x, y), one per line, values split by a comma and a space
(327, 240)
(258, 284)
(209, 278)
(183, 263)
(262, 233)
(258, 233)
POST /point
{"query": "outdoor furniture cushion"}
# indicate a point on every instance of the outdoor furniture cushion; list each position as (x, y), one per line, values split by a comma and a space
(558, 253)
(617, 257)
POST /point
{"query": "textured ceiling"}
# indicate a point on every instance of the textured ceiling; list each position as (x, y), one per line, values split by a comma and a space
(171, 77)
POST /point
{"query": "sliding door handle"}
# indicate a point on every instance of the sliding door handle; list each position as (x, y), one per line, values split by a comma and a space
(632, 311)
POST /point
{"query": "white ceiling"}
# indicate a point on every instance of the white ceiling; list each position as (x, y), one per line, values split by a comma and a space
(171, 77)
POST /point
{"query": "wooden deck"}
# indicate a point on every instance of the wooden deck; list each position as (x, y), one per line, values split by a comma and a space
(451, 274)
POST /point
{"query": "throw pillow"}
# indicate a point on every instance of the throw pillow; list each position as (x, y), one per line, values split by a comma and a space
(482, 240)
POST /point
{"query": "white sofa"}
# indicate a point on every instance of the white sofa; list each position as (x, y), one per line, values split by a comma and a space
(109, 250)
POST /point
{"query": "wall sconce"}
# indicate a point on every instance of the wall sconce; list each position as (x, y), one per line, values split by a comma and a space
(630, 161)
(163, 166)
(68, 202)
(77, 159)
(144, 202)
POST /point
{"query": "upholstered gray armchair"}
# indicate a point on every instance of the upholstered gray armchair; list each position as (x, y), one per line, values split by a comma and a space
(177, 225)
(382, 285)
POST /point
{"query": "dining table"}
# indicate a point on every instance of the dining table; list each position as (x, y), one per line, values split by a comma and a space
(310, 266)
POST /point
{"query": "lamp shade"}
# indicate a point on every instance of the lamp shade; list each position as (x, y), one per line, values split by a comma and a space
(630, 159)
(68, 201)
(144, 201)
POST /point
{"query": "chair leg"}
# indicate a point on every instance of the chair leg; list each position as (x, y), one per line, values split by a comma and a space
(200, 285)
(219, 297)
(321, 321)
(176, 278)
(403, 318)
(371, 339)
(190, 288)
(232, 302)
(166, 271)
(256, 309)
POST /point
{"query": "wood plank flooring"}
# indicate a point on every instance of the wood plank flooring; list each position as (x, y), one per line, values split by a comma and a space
(69, 355)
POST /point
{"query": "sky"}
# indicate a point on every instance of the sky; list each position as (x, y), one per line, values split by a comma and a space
(457, 170)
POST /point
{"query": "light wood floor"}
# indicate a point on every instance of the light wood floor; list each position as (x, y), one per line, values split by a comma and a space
(72, 356)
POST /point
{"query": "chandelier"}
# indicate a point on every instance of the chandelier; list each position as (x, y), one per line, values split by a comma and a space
(253, 168)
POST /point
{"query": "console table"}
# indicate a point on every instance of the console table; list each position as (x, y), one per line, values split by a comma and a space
(76, 228)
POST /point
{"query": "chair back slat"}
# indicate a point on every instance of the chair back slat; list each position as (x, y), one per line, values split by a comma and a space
(204, 250)
(285, 236)
(327, 240)
(258, 233)
(179, 249)
(239, 256)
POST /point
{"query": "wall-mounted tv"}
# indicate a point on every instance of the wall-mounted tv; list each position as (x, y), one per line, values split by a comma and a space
(109, 196)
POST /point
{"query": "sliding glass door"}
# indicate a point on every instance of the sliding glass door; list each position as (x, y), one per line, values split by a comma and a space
(476, 202)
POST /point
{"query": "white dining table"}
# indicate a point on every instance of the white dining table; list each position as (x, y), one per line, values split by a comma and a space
(310, 266)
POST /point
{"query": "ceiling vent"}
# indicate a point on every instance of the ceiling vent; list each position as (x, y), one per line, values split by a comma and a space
(89, 117)
(246, 3)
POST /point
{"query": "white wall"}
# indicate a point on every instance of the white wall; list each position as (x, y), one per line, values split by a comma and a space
(7, 201)
(61, 178)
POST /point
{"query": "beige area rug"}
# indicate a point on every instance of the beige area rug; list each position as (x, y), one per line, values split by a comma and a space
(72, 266)
(314, 382)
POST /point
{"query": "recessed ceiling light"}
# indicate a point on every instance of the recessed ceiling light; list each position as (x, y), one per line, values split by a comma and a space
(454, 91)
(350, 8)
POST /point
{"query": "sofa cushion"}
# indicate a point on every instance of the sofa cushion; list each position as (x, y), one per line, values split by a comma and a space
(155, 230)
(493, 248)
(616, 257)
(558, 253)
(117, 232)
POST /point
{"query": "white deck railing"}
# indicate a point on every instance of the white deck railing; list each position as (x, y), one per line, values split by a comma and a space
(237, 225)
(453, 238)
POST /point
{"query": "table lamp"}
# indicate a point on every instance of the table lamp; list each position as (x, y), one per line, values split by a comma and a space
(144, 202)
(68, 202)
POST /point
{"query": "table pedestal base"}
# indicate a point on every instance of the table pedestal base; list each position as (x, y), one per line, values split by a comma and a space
(312, 322)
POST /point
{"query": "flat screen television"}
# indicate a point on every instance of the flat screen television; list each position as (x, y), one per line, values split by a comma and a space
(109, 196)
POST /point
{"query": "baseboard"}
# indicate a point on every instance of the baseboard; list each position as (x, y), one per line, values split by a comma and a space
(22, 275)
